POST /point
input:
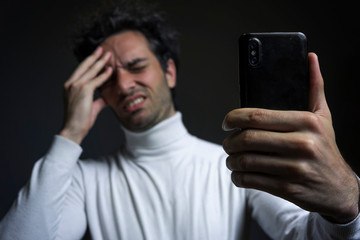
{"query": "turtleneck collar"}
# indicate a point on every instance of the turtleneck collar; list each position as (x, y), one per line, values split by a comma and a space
(161, 135)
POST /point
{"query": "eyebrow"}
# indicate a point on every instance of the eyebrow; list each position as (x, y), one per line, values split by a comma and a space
(134, 62)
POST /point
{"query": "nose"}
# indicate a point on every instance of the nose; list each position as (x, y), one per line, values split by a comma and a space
(125, 82)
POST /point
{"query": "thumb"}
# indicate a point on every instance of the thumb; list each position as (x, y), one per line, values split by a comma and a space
(318, 102)
(98, 105)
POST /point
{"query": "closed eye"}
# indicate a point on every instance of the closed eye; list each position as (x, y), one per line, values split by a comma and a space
(136, 65)
(136, 69)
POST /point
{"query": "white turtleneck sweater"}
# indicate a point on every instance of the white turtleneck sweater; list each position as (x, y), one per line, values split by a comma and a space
(163, 184)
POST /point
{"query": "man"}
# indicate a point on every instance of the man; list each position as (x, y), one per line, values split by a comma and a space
(166, 184)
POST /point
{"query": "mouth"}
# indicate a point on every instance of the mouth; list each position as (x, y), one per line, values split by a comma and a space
(134, 104)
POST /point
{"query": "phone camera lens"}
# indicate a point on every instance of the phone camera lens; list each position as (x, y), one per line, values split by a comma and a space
(254, 47)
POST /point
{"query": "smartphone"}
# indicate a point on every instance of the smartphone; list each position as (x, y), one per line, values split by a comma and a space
(273, 71)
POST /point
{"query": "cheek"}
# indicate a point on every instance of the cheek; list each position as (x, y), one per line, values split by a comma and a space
(152, 79)
(146, 78)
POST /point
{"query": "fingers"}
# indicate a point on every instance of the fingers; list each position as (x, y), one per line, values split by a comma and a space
(274, 185)
(101, 79)
(251, 162)
(271, 174)
(81, 110)
(270, 120)
(293, 154)
(95, 69)
(295, 144)
(90, 68)
(84, 66)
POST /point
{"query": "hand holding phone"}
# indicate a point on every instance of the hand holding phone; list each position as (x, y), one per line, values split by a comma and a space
(290, 154)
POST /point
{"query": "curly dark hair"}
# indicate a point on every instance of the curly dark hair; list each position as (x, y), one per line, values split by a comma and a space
(130, 16)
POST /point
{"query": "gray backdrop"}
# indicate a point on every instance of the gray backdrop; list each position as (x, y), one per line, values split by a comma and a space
(36, 59)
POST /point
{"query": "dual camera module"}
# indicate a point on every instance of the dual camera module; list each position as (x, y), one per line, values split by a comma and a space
(254, 52)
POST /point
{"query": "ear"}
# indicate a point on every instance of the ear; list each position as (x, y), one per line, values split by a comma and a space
(171, 73)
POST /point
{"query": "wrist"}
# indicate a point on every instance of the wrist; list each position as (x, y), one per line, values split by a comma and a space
(71, 135)
(353, 209)
(343, 219)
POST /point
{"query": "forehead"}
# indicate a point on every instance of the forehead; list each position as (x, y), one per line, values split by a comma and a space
(128, 45)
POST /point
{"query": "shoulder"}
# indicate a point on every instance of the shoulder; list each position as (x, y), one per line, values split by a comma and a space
(99, 167)
(103, 161)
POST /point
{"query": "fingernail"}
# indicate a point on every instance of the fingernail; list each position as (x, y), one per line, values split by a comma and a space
(225, 127)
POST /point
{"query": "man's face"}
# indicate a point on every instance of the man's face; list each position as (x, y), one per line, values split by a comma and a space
(138, 90)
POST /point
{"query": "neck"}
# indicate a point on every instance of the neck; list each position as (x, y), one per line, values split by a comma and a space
(165, 114)
(160, 136)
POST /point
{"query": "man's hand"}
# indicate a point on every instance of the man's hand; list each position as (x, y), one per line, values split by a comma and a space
(80, 108)
(293, 155)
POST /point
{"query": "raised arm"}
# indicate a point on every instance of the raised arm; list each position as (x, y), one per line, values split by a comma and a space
(80, 109)
(51, 205)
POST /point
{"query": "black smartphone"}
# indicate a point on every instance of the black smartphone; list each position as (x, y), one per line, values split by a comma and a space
(273, 71)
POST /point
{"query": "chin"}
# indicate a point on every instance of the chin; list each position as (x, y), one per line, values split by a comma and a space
(137, 128)
(137, 123)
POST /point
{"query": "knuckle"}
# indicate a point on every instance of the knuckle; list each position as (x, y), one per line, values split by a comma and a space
(313, 122)
(300, 169)
(308, 145)
(247, 137)
(68, 84)
(243, 162)
(303, 168)
(68, 87)
(257, 116)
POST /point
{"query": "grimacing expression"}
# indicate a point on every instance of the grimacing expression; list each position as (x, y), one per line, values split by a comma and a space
(138, 90)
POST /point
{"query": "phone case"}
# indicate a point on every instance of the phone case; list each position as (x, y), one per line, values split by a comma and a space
(273, 71)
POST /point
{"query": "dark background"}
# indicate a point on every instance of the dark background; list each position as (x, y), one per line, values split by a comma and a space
(36, 59)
